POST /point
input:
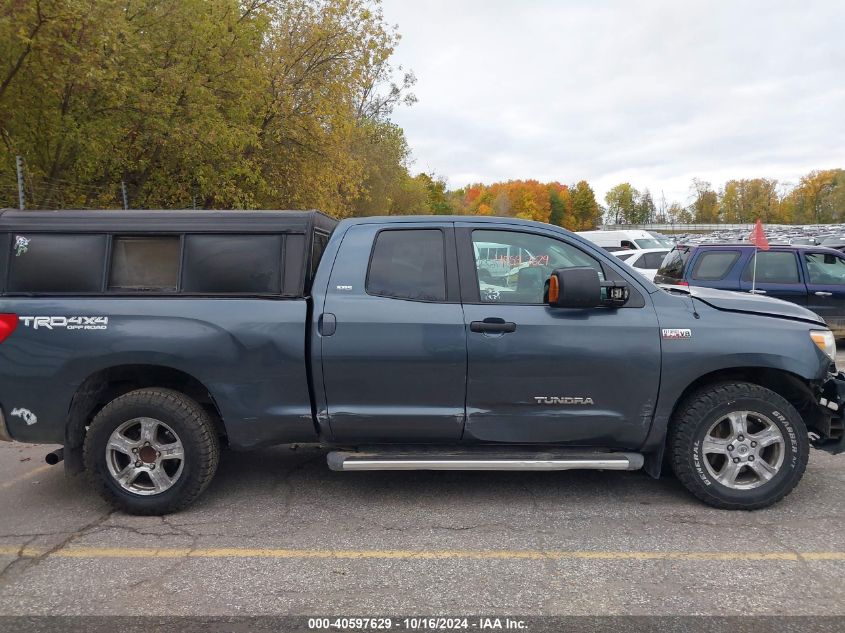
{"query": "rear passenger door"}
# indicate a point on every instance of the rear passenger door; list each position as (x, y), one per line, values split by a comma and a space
(392, 336)
(778, 275)
(825, 273)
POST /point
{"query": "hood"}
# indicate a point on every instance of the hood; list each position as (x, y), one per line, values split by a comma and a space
(748, 303)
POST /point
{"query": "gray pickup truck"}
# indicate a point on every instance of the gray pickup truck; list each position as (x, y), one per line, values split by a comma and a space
(145, 342)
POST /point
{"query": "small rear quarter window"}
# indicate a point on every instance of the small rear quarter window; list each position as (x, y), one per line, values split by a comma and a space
(714, 265)
(673, 264)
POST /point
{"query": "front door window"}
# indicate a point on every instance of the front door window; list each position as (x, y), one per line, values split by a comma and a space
(513, 267)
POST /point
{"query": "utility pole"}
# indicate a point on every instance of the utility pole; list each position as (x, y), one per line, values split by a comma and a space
(125, 197)
(21, 199)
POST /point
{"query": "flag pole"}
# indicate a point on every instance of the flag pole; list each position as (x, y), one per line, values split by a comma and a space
(754, 272)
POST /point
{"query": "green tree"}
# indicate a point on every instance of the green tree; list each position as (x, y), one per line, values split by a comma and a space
(622, 201)
(585, 209)
(646, 211)
(558, 207)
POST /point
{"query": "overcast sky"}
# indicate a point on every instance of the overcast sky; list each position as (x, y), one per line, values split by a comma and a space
(649, 92)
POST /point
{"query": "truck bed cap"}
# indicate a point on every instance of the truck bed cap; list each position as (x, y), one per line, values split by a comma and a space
(171, 221)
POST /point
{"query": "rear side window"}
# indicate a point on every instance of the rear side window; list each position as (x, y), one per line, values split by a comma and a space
(673, 265)
(57, 263)
(145, 263)
(250, 264)
(714, 265)
(773, 267)
(408, 264)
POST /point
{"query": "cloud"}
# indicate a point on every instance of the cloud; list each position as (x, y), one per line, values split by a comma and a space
(654, 93)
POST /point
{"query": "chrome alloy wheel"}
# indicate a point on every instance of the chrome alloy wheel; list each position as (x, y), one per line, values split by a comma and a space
(743, 450)
(145, 456)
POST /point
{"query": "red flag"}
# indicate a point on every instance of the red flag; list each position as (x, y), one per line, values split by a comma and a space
(758, 237)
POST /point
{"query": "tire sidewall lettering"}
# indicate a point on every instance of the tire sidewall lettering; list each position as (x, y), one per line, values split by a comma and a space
(781, 421)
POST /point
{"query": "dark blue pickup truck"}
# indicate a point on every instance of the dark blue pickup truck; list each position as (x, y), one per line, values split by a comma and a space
(145, 342)
(811, 276)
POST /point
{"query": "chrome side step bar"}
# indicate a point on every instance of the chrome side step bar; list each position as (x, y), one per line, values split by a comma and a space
(349, 461)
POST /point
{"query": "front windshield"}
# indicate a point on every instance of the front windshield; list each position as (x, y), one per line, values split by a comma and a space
(645, 243)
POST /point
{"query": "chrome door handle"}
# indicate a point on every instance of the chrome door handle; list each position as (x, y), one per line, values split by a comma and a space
(820, 293)
(757, 292)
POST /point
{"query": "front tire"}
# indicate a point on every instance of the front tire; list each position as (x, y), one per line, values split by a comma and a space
(151, 451)
(738, 446)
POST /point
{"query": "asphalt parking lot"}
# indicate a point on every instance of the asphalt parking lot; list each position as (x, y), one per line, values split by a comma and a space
(279, 533)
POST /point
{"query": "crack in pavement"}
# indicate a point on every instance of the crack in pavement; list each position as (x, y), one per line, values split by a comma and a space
(23, 563)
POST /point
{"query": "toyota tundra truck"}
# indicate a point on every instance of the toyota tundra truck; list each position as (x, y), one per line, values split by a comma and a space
(145, 342)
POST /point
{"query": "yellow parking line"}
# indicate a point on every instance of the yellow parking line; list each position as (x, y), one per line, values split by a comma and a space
(270, 553)
(23, 477)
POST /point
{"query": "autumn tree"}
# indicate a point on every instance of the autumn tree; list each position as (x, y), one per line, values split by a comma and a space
(820, 196)
(226, 103)
(705, 204)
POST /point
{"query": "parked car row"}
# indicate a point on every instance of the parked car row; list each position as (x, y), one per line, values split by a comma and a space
(805, 265)
(810, 276)
(645, 261)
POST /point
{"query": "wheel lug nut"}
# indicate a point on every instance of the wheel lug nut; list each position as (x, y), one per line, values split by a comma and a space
(741, 438)
(152, 466)
(736, 460)
(138, 463)
(730, 447)
(751, 458)
(753, 444)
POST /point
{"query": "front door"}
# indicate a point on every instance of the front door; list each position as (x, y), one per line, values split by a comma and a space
(826, 288)
(550, 375)
(392, 336)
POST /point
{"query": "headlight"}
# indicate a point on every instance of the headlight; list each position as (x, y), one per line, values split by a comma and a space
(825, 342)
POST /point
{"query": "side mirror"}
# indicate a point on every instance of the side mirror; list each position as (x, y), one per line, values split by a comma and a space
(581, 287)
(574, 288)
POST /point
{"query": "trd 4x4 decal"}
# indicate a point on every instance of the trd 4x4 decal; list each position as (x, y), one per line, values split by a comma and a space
(66, 322)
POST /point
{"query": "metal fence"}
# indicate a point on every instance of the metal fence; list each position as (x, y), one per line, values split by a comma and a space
(678, 228)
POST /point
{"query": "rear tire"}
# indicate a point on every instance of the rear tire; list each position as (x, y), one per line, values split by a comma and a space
(738, 446)
(151, 451)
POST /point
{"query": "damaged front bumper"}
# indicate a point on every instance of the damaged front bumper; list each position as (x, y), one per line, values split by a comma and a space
(832, 404)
